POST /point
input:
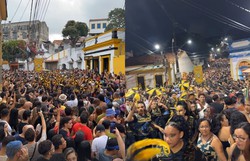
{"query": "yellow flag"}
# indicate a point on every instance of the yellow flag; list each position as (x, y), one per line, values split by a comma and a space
(198, 74)
(38, 63)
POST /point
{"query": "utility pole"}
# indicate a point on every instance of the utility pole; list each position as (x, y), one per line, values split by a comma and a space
(165, 67)
(30, 33)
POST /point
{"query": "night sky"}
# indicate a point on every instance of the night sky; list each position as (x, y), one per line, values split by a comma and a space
(206, 22)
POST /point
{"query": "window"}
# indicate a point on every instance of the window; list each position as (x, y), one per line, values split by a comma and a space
(93, 26)
(158, 80)
(14, 34)
(5, 29)
(104, 25)
(24, 34)
(141, 82)
(14, 28)
(98, 25)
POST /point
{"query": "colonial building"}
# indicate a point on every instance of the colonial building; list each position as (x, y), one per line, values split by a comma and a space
(145, 71)
(97, 26)
(106, 52)
(67, 59)
(156, 69)
(240, 59)
(37, 30)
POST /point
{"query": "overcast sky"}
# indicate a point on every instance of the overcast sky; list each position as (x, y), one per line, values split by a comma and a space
(60, 11)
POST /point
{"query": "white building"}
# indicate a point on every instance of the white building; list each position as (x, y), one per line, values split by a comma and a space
(239, 58)
(67, 59)
(97, 26)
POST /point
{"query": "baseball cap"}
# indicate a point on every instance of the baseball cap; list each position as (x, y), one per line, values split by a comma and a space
(110, 112)
(12, 148)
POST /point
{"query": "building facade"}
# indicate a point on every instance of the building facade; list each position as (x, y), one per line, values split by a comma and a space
(37, 30)
(239, 59)
(106, 52)
(70, 58)
(97, 26)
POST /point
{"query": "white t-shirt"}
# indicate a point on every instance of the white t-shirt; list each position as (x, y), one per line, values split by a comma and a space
(3, 158)
(99, 144)
(201, 113)
(72, 103)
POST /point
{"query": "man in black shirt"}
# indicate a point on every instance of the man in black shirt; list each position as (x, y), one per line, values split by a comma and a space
(60, 144)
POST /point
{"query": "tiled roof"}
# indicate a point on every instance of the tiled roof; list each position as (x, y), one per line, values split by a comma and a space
(145, 59)
(58, 42)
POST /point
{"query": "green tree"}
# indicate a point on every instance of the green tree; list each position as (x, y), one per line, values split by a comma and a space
(74, 30)
(14, 49)
(116, 19)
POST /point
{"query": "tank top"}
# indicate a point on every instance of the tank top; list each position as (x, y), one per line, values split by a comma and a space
(207, 149)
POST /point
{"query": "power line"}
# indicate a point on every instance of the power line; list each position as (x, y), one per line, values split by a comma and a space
(236, 5)
(44, 3)
(34, 14)
(38, 9)
(24, 10)
(218, 17)
(16, 10)
(31, 8)
(46, 10)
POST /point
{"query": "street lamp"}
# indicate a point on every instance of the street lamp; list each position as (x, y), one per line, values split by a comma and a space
(157, 47)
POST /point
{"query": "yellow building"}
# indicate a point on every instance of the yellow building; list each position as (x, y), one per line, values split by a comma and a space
(106, 52)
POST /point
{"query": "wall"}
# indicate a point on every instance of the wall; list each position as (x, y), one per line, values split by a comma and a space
(97, 21)
(239, 51)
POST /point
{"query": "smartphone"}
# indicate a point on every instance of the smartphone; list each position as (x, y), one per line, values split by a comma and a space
(112, 127)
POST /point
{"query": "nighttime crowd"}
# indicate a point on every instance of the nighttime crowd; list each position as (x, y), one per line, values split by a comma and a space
(81, 115)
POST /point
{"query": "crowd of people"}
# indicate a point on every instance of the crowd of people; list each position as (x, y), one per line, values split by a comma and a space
(81, 115)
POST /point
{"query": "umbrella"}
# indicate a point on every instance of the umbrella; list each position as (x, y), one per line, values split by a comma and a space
(129, 93)
(184, 85)
(147, 149)
(183, 96)
(132, 93)
(154, 91)
(163, 89)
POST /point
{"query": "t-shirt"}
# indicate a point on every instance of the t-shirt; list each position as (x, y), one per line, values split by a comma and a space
(23, 140)
(99, 144)
(33, 148)
(3, 158)
(85, 129)
(201, 111)
(64, 133)
(218, 107)
(33, 151)
(100, 117)
(41, 158)
(57, 157)
(104, 157)
(20, 127)
(72, 103)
